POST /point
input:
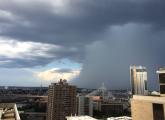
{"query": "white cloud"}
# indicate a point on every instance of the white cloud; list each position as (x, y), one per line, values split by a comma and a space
(15, 53)
(59, 6)
(56, 74)
(6, 14)
(25, 50)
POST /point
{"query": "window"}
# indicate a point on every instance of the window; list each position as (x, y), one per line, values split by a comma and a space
(162, 89)
(145, 84)
(162, 77)
(158, 111)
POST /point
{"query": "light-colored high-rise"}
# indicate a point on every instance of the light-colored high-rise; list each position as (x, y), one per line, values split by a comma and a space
(84, 106)
(150, 107)
(138, 77)
(61, 101)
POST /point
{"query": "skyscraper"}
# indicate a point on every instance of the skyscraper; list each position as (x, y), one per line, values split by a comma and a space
(138, 77)
(150, 107)
(61, 100)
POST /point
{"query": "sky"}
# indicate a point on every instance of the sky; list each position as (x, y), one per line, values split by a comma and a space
(87, 42)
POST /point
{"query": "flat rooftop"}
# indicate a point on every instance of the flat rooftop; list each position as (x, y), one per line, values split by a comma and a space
(80, 118)
(7, 114)
(8, 111)
(120, 118)
(158, 99)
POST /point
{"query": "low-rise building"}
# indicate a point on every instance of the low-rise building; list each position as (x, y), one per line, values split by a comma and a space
(8, 111)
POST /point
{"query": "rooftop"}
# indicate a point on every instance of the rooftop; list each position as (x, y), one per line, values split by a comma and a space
(120, 118)
(80, 118)
(158, 99)
(8, 111)
(137, 67)
(161, 70)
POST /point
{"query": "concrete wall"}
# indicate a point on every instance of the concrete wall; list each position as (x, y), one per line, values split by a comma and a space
(142, 109)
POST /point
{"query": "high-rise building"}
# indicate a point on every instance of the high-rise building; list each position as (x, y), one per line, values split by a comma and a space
(61, 100)
(150, 107)
(138, 77)
(161, 78)
(84, 105)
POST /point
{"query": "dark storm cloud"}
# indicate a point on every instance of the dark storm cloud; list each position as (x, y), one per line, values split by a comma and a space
(76, 23)
(24, 63)
(108, 61)
(14, 53)
(106, 30)
(80, 21)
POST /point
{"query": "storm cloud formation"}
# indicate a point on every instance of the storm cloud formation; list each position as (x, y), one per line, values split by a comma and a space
(104, 36)
(108, 61)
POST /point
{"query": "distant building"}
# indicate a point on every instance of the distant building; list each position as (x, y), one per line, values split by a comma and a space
(33, 115)
(161, 78)
(84, 105)
(8, 111)
(138, 77)
(112, 108)
(102, 92)
(96, 102)
(61, 101)
(2, 87)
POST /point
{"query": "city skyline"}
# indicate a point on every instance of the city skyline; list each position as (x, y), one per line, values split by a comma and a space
(85, 42)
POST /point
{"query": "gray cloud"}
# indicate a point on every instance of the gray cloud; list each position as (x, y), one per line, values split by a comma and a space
(64, 71)
(102, 35)
(77, 22)
(108, 61)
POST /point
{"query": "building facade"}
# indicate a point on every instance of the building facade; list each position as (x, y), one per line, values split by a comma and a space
(61, 100)
(112, 108)
(161, 79)
(138, 78)
(148, 107)
(9, 111)
(84, 106)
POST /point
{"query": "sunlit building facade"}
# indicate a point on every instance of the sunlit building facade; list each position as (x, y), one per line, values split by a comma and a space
(150, 107)
(61, 100)
(138, 78)
(9, 111)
